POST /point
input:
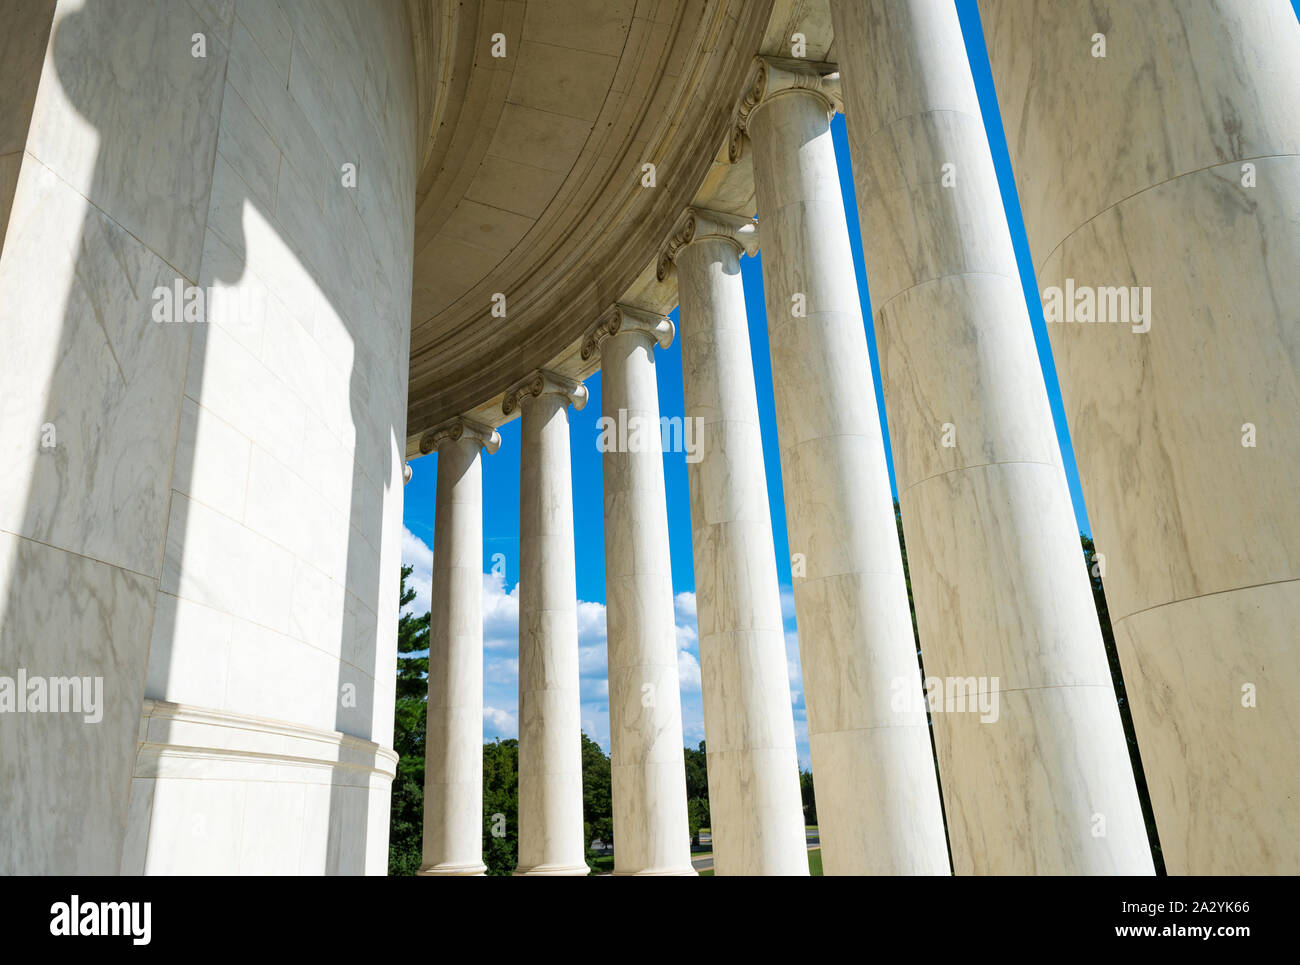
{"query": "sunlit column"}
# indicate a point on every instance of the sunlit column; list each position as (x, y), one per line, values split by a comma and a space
(453, 776)
(873, 767)
(755, 804)
(651, 832)
(1038, 764)
(550, 728)
(1156, 148)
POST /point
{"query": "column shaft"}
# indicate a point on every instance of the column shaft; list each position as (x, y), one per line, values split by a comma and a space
(453, 778)
(651, 832)
(550, 728)
(1157, 157)
(755, 804)
(999, 582)
(873, 767)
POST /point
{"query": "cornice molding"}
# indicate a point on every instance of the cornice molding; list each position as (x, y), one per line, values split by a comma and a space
(697, 224)
(770, 77)
(544, 382)
(454, 430)
(623, 320)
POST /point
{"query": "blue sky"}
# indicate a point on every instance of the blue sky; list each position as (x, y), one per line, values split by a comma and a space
(501, 482)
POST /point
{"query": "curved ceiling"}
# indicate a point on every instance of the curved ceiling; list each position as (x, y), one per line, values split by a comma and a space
(531, 177)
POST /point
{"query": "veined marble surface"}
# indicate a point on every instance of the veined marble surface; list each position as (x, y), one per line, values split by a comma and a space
(246, 467)
(999, 584)
(453, 775)
(755, 804)
(550, 728)
(645, 710)
(1172, 164)
(855, 632)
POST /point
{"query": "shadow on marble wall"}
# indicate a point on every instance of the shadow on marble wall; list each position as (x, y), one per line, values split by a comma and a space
(105, 528)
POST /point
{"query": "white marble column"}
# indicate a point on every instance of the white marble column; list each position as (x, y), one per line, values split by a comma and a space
(755, 803)
(1162, 181)
(873, 767)
(651, 832)
(453, 754)
(550, 726)
(998, 579)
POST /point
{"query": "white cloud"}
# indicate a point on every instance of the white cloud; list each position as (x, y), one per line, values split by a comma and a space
(500, 613)
(684, 606)
(688, 672)
(500, 722)
(416, 553)
(500, 670)
(501, 652)
(591, 623)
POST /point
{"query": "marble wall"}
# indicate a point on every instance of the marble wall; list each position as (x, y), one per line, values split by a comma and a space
(222, 506)
(1167, 162)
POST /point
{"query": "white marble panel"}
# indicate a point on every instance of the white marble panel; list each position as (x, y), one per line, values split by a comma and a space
(885, 824)
(1212, 683)
(1180, 507)
(1183, 86)
(52, 764)
(113, 96)
(80, 353)
(1068, 814)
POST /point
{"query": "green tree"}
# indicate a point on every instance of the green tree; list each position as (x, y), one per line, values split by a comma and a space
(697, 790)
(597, 797)
(501, 806)
(809, 800)
(406, 819)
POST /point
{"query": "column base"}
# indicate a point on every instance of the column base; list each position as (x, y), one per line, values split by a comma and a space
(658, 873)
(452, 870)
(552, 870)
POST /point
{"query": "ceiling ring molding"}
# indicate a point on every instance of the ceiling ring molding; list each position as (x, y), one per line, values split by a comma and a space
(682, 78)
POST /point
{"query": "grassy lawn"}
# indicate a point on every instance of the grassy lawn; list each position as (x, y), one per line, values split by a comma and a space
(814, 864)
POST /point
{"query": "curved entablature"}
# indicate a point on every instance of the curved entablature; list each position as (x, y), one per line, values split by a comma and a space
(534, 199)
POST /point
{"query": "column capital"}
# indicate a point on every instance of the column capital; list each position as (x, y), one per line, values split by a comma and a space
(454, 430)
(622, 319)
(770, 77)
(697, 224)
(544, 382)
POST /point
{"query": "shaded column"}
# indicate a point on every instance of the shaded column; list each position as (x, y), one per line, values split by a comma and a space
(651, 831)
(1157, 157)
(453, 752)
(550, 728)
(877, 796)
(1036, 767)
(755, 802)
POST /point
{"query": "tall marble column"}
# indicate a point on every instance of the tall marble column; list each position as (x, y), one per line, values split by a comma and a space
(998, 579)
(651, 832)
(1157, 157)
(877, 796)
(755, 803)
(453, 754)
(550, 726)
